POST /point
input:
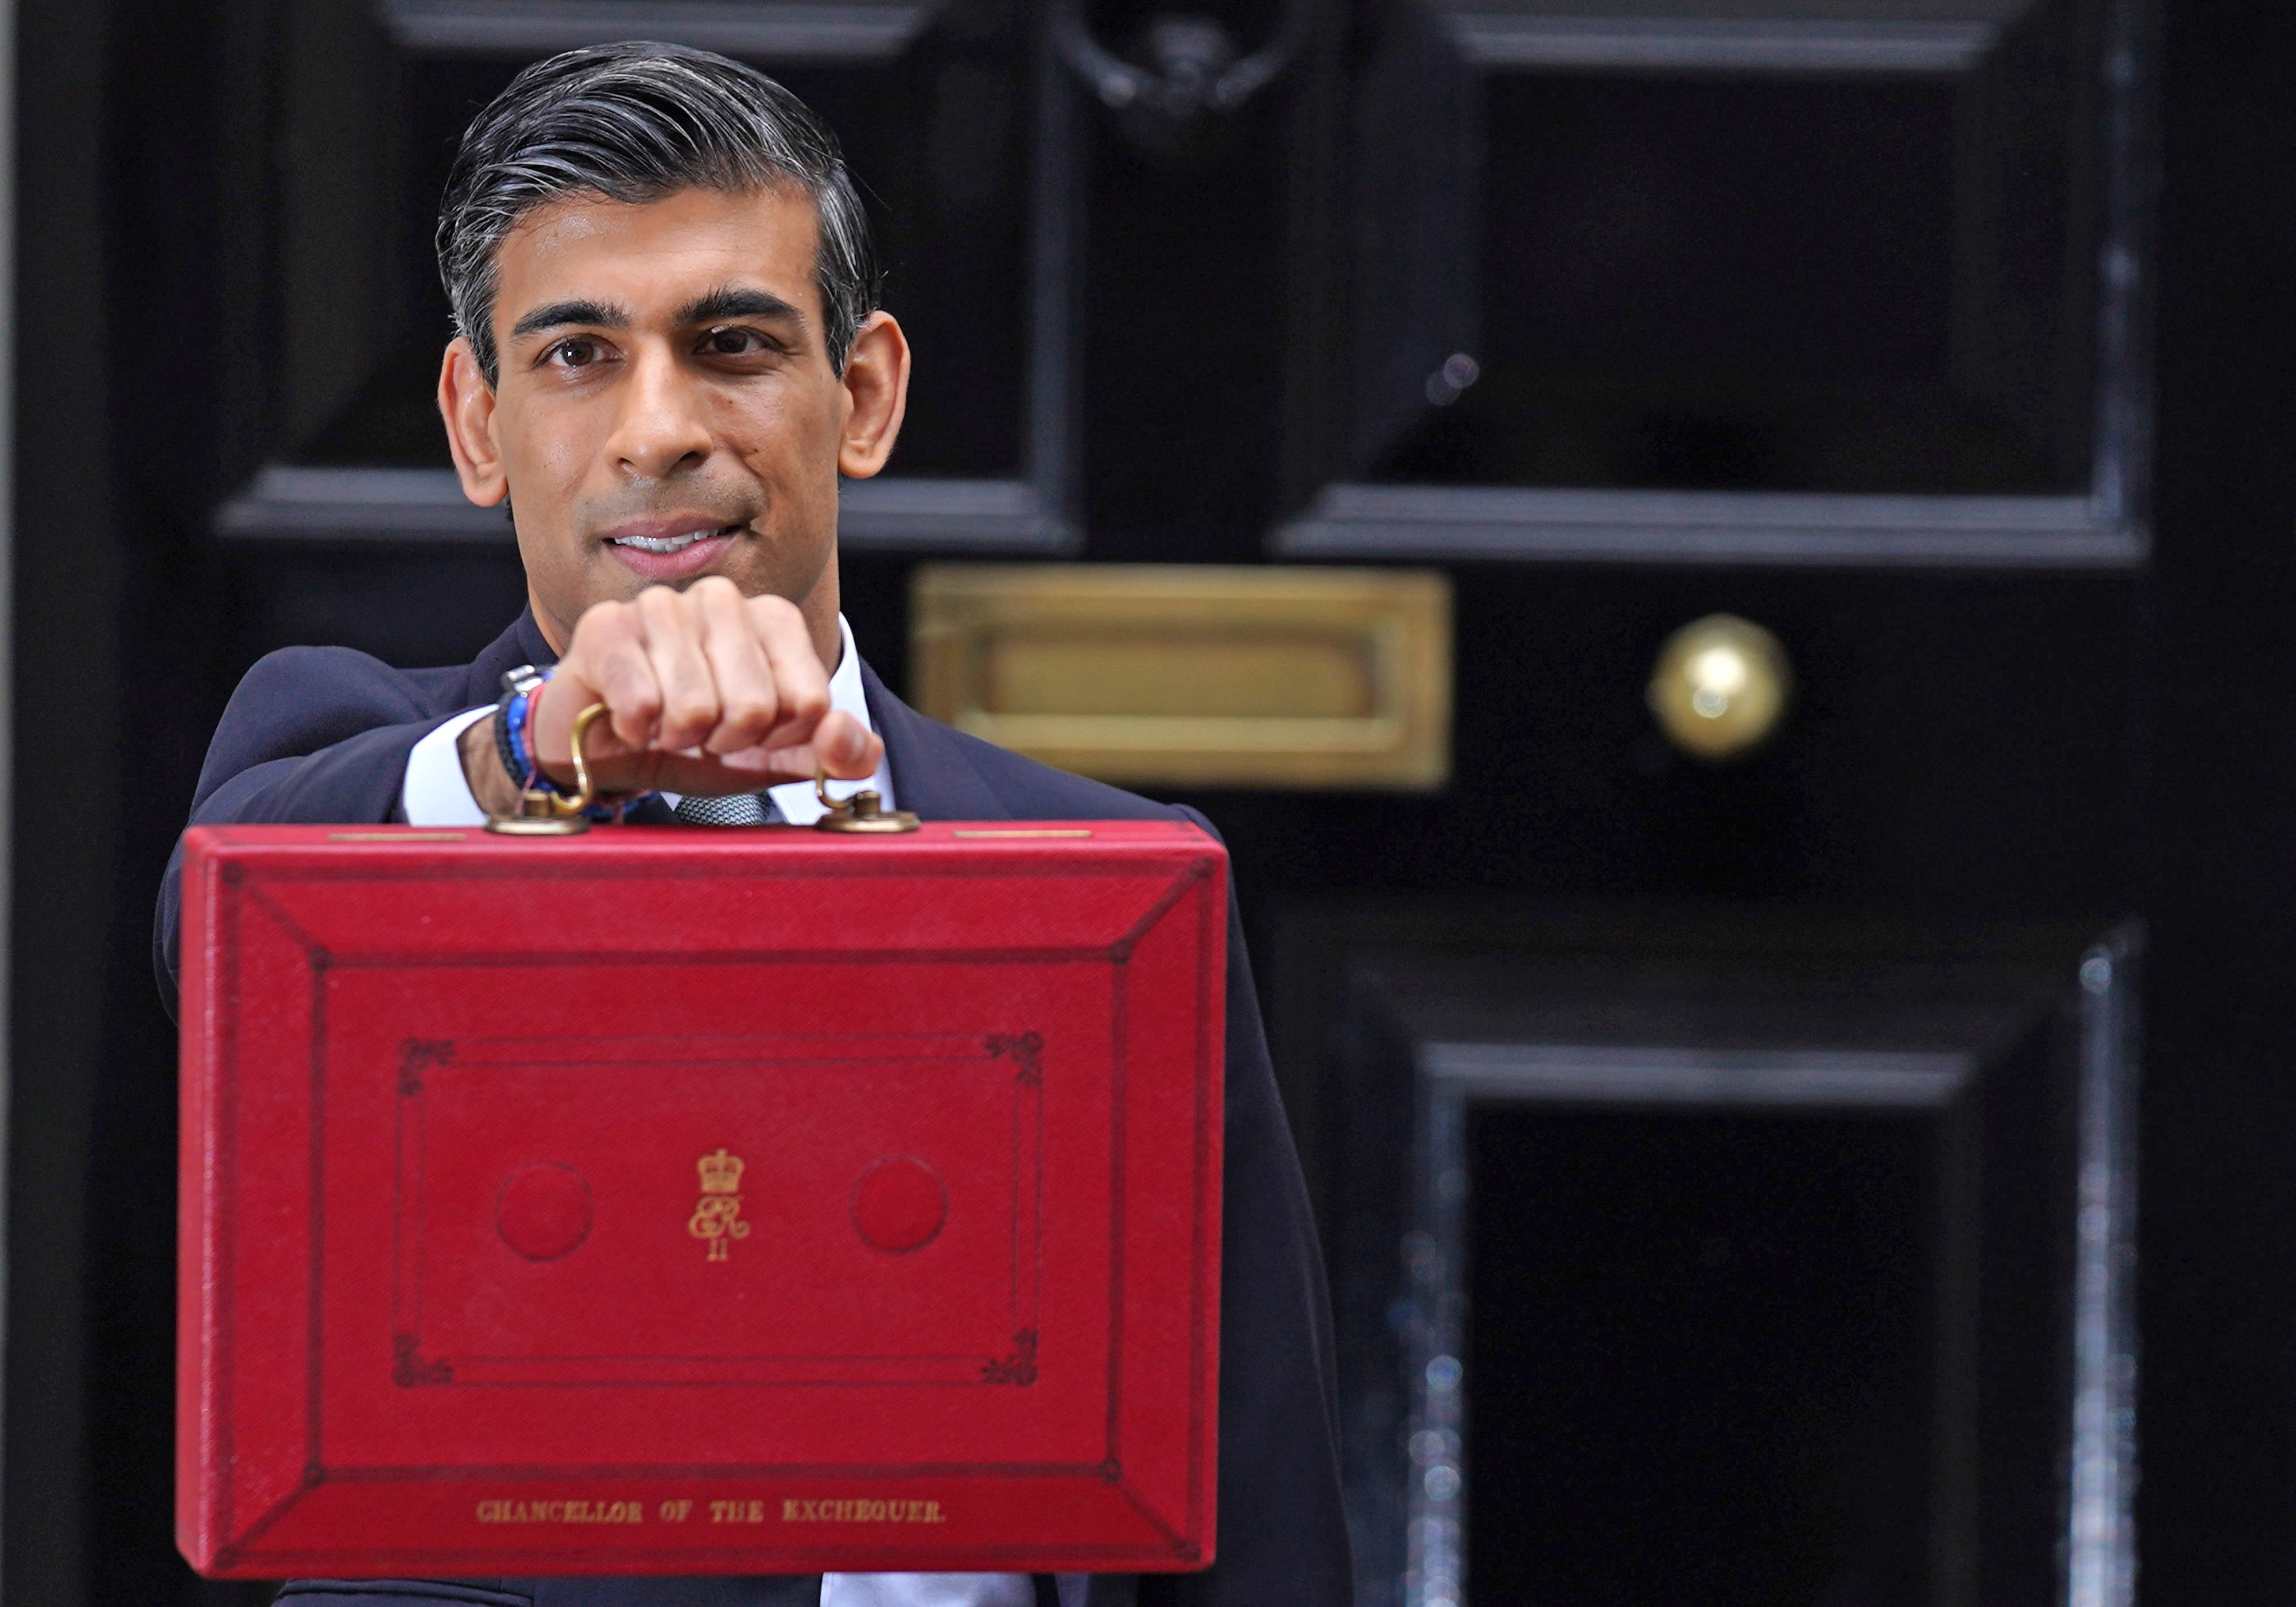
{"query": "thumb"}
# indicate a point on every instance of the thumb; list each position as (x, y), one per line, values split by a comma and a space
(847, 749)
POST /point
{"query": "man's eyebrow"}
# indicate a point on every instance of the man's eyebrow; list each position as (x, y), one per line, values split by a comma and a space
(736, 301)
(558, 314)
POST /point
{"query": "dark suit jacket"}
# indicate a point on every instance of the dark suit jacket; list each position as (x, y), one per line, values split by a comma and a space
(322, 734)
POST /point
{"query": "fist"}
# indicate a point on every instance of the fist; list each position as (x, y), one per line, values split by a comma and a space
(706, 692)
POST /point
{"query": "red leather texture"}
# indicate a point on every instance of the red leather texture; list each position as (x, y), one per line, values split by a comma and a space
(688, 1202)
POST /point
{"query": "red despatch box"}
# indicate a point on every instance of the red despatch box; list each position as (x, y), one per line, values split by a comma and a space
(665, 1200)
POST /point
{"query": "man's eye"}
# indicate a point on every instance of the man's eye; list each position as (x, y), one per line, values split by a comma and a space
(577, 353)
(732, 342)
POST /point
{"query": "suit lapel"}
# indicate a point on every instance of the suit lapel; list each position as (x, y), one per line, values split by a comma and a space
(932, 775)
(521, 644)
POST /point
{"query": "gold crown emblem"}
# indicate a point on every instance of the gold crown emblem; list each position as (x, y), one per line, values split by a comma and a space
(721, 1174)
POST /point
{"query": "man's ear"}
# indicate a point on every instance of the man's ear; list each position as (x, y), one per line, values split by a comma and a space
(466, 402)
(877, 385)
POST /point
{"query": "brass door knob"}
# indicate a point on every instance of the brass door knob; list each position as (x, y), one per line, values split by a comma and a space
(1720, 686)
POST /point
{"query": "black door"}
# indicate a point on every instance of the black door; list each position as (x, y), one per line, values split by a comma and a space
(1728, 1163)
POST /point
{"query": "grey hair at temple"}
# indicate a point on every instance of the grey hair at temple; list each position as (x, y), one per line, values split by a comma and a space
(634, 123)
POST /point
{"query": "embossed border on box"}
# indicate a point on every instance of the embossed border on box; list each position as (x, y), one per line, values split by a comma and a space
(414, 1365)
(239, 1543)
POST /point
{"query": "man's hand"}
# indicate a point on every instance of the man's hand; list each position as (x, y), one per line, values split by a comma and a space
(707, 691)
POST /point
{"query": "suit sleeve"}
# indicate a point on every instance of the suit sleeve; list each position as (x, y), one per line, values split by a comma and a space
(313, 734)
(1283, 1530)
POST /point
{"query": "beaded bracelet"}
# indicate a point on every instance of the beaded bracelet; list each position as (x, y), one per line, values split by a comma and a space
(515, 739)
(519, 723)
(513, 724)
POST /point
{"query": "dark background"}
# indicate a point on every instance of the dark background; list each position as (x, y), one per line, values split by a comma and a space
(1972, 747)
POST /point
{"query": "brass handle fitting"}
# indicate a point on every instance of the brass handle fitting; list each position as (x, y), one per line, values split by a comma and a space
(865, 811)
(544, 811)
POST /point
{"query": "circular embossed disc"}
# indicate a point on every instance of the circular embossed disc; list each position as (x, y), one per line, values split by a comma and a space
(899, 1203)
(542, 1211)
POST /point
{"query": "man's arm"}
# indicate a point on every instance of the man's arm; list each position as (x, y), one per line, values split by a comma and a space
(313, 734)
(709, 692)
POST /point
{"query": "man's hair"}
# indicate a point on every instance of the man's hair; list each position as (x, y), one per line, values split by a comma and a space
(634, 123)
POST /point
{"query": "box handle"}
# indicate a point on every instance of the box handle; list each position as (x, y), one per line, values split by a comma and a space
(865, 811)
(543, 810)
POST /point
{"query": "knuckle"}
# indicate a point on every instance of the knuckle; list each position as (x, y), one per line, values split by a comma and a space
(752, 715)
(601, 624)
(626, 682)
(638, 702)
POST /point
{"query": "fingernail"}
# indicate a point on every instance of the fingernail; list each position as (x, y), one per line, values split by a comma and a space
(853, 746)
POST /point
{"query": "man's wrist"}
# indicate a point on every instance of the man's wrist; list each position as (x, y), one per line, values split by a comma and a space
(482, 767)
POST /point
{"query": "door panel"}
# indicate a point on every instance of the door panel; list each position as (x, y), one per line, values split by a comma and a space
(942, 107)
(1876, 261)
(1675, 1257)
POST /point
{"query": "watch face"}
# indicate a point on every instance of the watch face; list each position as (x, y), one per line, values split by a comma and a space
(524, 678)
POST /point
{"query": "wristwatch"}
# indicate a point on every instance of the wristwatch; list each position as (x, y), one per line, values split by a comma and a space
(523, 681)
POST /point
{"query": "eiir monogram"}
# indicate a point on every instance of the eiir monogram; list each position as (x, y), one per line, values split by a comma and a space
(717, 1215)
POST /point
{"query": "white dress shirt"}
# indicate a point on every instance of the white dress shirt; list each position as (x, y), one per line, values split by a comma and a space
(436, 793)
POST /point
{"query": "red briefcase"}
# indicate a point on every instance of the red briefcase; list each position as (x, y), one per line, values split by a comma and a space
(688, 1202)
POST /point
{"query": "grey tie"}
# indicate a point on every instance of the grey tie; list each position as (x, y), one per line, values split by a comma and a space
(738, 810)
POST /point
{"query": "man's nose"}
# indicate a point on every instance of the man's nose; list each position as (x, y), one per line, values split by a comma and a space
(661, 426)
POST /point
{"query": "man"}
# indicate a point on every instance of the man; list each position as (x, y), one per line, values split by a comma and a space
(670, 350)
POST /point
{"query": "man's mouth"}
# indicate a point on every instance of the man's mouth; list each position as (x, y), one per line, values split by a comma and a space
(670, 551)
(672, 543)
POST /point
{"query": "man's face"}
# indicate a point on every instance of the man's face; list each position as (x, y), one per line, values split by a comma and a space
(665, 408)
